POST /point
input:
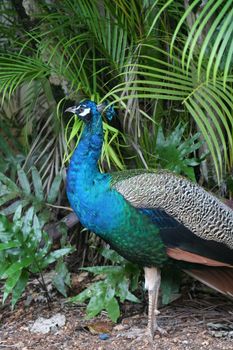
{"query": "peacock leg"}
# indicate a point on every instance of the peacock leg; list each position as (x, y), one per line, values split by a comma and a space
(152, 284)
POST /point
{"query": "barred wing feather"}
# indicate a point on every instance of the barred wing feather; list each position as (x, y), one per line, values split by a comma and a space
(198, 210)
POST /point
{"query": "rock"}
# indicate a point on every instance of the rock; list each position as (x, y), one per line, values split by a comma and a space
(205, 343)
(46, 325)
(104, 336)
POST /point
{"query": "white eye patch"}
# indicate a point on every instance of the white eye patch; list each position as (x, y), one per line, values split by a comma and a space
(85, 112)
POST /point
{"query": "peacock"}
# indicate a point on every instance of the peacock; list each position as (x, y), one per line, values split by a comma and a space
(151, 218)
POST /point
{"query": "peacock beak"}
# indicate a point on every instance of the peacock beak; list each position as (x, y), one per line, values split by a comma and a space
(72, 109)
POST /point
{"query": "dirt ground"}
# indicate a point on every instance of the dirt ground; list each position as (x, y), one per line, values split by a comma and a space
(192, 323)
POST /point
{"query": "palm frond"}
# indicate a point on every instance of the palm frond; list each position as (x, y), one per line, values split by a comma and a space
(210, 38)
(104, 50)
(209, 103)
(16, 69)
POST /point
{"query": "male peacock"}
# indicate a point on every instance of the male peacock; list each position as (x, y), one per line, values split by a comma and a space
(150, 218)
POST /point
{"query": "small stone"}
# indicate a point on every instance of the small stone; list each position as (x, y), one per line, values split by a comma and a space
(205, 343)
(104, 336)
(46, 325)
(185, 342)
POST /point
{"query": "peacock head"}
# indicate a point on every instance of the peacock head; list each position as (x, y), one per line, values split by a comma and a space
(86, 109)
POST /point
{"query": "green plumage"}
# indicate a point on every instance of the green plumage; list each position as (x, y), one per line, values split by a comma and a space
(137, 239)
(102, 209)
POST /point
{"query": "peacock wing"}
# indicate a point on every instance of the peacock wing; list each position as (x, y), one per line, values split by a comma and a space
(203, 217)
(196, 227)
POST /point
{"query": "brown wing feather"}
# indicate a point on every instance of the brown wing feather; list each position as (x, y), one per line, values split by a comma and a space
(218, 278)
(179, 254)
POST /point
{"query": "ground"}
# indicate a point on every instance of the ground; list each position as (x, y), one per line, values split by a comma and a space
(200, 322)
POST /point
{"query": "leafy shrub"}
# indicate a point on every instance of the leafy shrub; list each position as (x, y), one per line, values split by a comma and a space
(176, 154)
(27, 192)
(115, 285)
(22, 254)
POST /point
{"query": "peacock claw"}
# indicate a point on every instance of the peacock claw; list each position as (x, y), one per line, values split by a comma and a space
(156, 329)
(134, 333)
(161, 330)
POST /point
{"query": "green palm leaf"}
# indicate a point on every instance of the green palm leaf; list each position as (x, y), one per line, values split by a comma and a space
(210, 38)
(209, 103)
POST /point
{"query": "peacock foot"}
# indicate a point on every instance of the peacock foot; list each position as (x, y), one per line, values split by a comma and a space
(156, 329)
(139, 336)
(153, 327)
(134, 333)
(161, 330)
(142, 334)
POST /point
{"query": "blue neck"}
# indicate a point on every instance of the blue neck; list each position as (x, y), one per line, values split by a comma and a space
(85, 157)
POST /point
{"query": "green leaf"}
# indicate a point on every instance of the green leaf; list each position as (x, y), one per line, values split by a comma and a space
(24, 183)
(9, 245)
(97, 302)
(17, 214)
(27, 222)
(174, 154)
(10, 284)
(18, 266)
(170, 283)
(3, 189)
(19, 287)
(8, 197)
(54, 190)
(123, 288)
(112, 308)
(81, 297)
(9, 183)
(13, 207)
(3, 267)
(110, 292)
(112, 255)
(55, 255)
(62, 278)
(37, 235)
(103, 269)
(77, 126)
(37, 183)
(132, 297)
(134, 271)
(6, 231)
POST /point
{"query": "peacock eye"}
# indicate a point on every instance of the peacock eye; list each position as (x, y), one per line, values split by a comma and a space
(84, 113)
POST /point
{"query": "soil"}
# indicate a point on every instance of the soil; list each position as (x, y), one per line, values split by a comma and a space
(192, 323)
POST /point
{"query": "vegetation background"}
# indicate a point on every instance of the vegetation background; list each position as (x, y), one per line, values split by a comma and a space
(166, 66)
